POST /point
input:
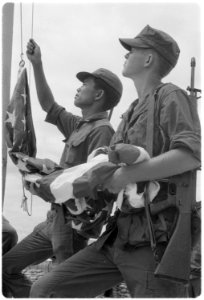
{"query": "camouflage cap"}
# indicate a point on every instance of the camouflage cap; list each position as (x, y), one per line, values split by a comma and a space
(156, 39)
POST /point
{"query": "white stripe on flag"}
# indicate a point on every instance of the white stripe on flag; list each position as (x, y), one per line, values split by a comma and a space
(62, 186)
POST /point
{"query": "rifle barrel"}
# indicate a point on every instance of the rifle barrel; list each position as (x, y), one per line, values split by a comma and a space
(193, 64)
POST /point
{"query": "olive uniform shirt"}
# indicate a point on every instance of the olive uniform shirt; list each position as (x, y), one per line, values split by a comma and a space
(82, 136)
(176, 125)
(88, 134)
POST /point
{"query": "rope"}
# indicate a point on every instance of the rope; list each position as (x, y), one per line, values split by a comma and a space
(32, 22)
(22, 62)
(24, 203)
(32, 26)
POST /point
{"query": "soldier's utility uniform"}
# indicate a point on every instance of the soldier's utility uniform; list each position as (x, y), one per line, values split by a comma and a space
(54, 236)
(123, 252)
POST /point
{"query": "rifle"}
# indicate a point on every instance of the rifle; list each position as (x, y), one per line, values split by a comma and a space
(193, 91)
(175, 262)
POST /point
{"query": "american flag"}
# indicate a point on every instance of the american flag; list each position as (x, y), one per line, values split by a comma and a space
(20, 133)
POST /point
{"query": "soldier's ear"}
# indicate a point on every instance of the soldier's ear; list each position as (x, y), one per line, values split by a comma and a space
(99, 94)
(148, 60)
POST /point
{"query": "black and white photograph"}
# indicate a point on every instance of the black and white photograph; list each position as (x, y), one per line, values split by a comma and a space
(101, 149)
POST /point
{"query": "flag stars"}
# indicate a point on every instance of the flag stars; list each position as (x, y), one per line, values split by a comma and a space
(24, 97)
(22, 166)
(24, 123)
(11, 118)
(45, 169)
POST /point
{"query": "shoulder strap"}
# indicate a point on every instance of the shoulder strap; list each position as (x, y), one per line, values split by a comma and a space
(150, 127)
(150, 121)
(149, 148)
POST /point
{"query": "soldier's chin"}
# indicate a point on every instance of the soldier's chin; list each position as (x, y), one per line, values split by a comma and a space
(77, 102)
(124, 73)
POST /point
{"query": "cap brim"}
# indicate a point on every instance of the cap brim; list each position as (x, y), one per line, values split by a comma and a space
(84, 75)
(132, 43)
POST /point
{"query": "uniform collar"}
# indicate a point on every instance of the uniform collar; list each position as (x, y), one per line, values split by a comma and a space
(94, 117)
(97, 116)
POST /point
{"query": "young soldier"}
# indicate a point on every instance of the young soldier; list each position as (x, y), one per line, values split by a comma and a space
(101, 91)
(123, 252)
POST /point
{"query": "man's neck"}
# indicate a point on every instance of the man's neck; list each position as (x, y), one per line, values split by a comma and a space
(146, 85)
(88, 112)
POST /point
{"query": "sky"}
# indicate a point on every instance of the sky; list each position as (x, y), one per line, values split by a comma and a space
(83, 36)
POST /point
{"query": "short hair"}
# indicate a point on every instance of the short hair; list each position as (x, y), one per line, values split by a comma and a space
(163, 68)
(112, 97)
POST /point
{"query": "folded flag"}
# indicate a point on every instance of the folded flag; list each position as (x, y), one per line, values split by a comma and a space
(133, 195)
(80, 189)
(79, 182)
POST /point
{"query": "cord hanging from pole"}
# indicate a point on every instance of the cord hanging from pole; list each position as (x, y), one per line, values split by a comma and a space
(22, 62)
(24, 203)
(32, 22)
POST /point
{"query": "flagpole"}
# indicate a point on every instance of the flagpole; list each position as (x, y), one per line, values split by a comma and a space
(7, 39)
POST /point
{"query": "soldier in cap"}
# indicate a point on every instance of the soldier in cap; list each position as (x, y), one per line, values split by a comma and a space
(123, 252)
(101, 90)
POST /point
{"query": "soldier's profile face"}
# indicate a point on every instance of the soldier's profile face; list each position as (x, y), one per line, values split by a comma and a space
(134, 62)
(85, 94)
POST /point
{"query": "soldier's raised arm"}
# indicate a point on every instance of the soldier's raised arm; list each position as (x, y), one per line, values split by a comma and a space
(44, 92)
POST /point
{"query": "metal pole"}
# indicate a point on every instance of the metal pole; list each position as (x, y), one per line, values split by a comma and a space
(7, 39)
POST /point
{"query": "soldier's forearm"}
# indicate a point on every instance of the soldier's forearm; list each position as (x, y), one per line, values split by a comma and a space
(171, 163)
(44, 93)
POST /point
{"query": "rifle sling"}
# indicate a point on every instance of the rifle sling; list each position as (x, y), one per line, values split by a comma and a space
(149, 148)
(150, 126)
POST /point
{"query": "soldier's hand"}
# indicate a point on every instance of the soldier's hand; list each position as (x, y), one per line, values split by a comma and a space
(33, 52)
(123, 153)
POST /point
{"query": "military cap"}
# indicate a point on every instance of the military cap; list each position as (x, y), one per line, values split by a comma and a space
(111, 79)
(156, 39)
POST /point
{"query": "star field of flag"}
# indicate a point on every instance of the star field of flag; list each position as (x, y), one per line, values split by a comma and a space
(20, 134)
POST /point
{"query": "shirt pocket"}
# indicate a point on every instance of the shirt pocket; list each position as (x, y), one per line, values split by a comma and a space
(137, 132)
(75, 151)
